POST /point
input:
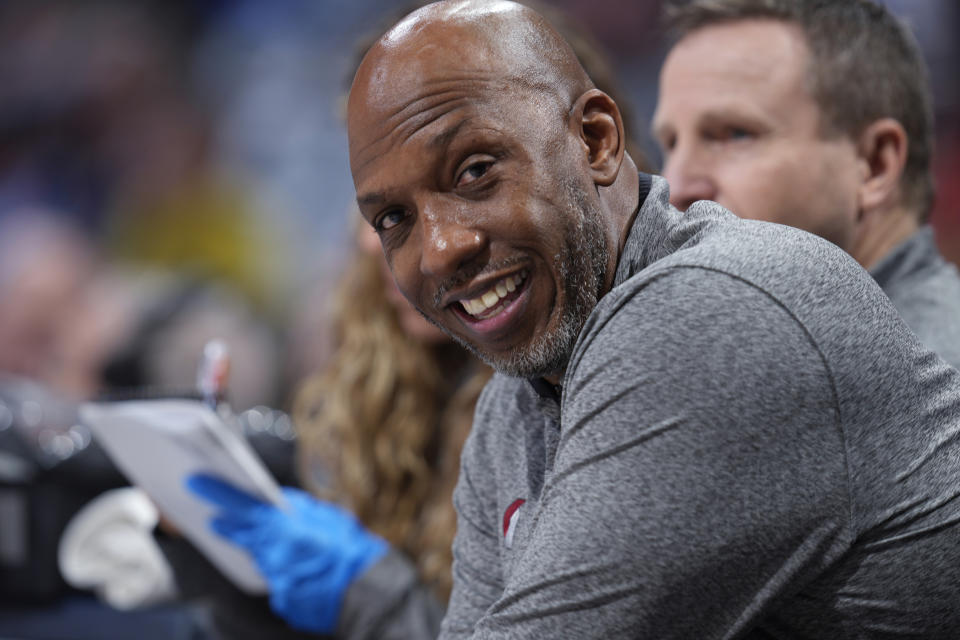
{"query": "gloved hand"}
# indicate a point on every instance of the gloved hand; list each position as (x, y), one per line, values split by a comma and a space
(308, 553)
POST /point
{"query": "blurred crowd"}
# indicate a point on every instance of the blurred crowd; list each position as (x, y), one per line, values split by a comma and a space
(187, 160)
(176, 171)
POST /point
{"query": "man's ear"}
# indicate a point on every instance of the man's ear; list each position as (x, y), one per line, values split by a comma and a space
(882, 148)
(596, 119)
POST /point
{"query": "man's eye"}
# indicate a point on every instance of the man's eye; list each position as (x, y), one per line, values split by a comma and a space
(474, 172)
(390, 219)
(732, 134)
(667, 143)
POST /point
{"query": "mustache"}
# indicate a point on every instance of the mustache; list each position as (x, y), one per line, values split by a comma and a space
(469, 272)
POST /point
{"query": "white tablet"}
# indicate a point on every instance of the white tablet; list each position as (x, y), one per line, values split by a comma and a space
(158, 444)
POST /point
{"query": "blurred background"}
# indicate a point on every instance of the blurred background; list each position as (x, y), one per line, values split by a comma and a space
(166, 160)
(139, 120)
(173, 170)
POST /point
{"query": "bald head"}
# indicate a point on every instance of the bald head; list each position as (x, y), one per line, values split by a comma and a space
(503, 45)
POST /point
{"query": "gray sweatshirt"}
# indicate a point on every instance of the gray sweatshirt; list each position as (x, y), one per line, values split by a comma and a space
(749, 443)
(925, 289)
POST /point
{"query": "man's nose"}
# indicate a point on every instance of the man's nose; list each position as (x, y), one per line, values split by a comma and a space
(689, 179)
(448, 244)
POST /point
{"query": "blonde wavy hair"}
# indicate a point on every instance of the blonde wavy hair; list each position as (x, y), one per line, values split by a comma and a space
(385, 421)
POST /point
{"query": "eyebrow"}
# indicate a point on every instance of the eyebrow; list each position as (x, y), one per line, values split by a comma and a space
(371, 199)
(444, 138)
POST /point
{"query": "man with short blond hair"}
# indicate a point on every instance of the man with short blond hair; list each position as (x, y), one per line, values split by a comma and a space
(815, 114)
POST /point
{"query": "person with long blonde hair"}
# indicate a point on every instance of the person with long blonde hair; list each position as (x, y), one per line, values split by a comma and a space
(386, 419)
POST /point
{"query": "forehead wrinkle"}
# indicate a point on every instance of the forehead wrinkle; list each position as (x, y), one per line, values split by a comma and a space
(446, 91)
(447, 84)
(407, 126)
(413, 126)
(413, 115)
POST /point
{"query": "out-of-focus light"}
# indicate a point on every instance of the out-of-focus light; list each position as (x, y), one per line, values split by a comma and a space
(32, 413)
(6, 417)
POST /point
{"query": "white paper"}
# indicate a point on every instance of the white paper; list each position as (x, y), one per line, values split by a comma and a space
(157, 444)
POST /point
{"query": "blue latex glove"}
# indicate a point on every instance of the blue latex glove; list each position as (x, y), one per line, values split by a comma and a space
(308, 553)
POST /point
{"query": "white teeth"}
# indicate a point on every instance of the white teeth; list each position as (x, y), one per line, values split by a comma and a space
(492, 296)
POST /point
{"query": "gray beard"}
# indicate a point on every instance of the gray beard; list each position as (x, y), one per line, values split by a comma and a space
(581, 265)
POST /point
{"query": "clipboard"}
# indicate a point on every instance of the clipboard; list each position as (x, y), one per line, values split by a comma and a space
(158, 444)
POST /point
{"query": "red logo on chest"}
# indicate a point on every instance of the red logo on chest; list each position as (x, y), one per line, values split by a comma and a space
(510, 517)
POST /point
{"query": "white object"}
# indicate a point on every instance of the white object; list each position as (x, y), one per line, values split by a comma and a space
(158, 444)
(108, 546)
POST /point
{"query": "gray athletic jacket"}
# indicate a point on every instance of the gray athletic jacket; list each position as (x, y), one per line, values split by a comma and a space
(925, 289)
(749, 443)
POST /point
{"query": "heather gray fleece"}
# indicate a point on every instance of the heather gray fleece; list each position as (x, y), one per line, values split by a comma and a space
(925, 289)
(749, 443)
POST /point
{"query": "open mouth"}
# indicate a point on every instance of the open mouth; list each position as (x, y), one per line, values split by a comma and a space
(494, 300)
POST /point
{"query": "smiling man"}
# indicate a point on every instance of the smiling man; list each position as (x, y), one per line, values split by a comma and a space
(701, 426)
(816, 115)
(449, 268)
